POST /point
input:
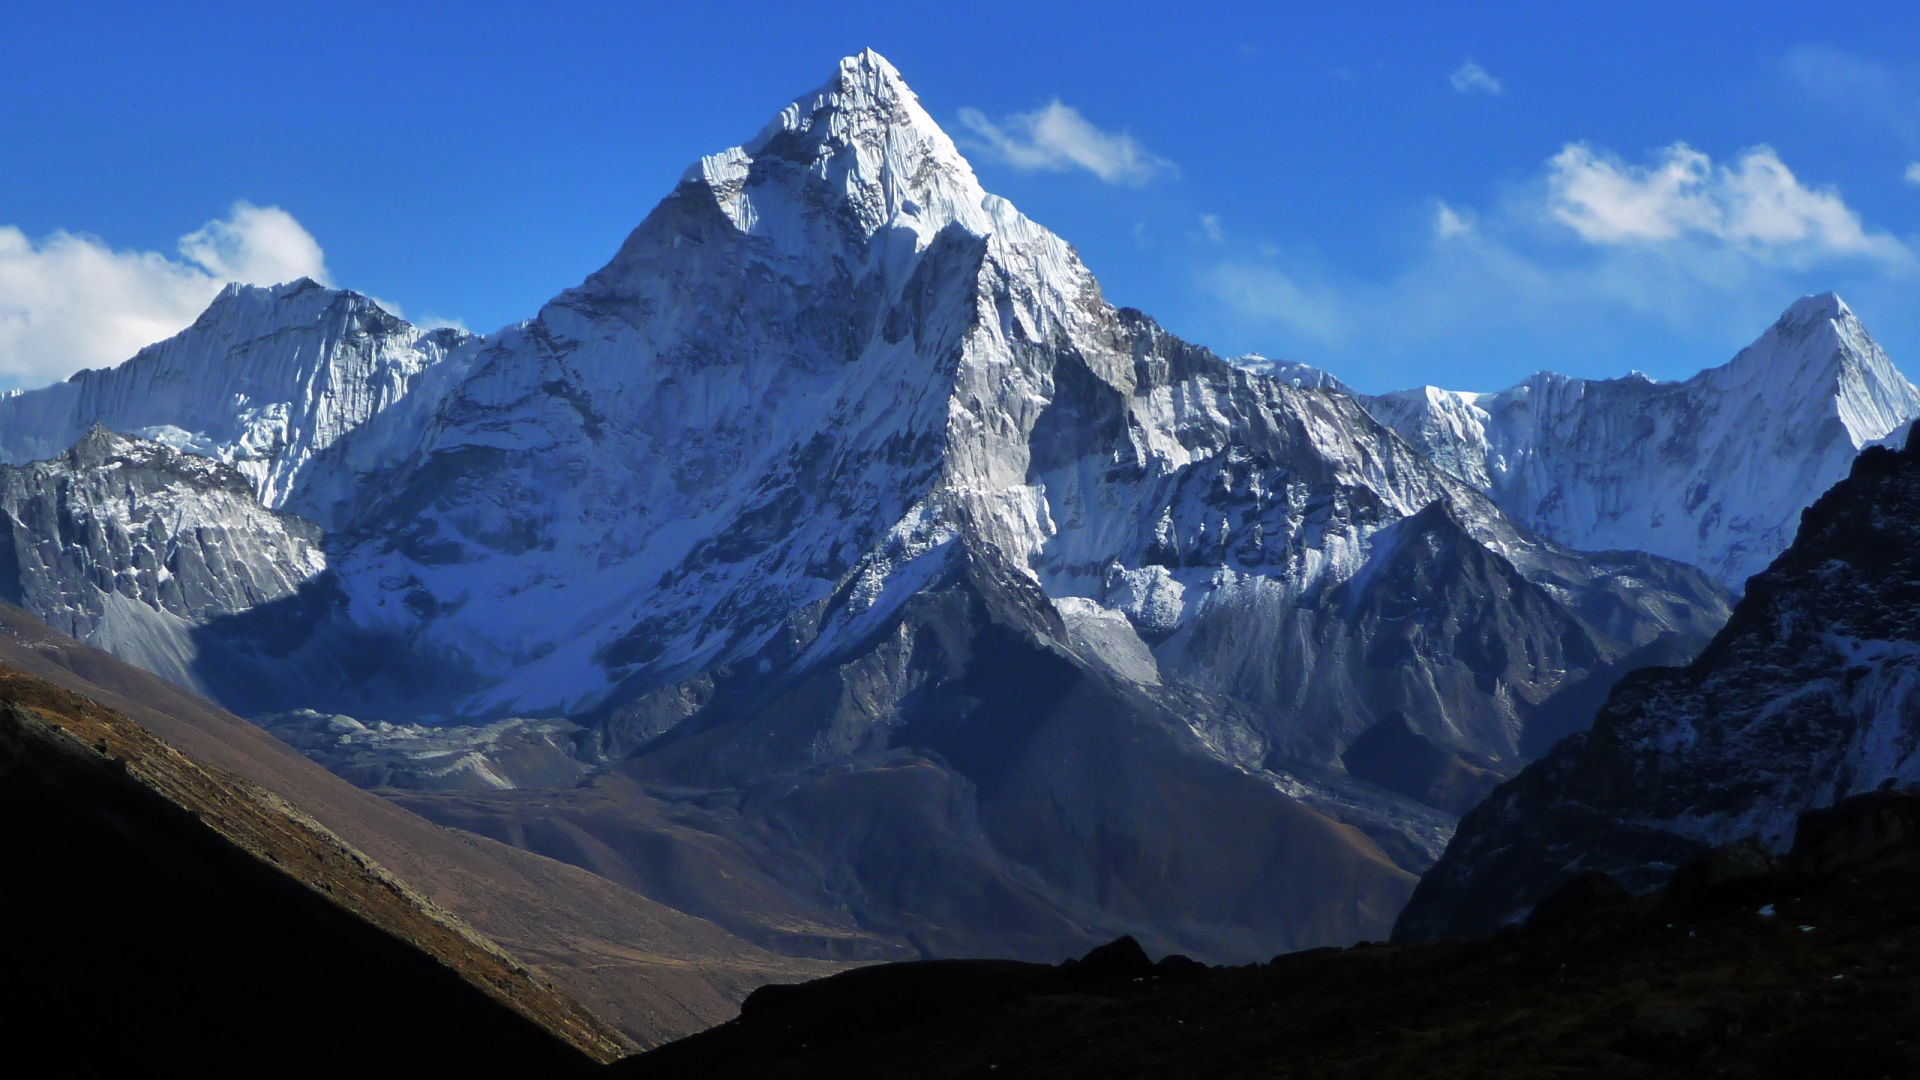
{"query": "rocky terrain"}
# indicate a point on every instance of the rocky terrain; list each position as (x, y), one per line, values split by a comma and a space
(1807, 696)
(136, 546)
(1805, 968)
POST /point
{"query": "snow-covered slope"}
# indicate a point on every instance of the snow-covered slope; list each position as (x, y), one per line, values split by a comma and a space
(1294, 374)
(1810, 694)
(1713, 471)
(265, 380)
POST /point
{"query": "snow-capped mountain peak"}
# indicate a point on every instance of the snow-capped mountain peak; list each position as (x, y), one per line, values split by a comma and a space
(841, 464)
(1712, 470)
(266, 380)
(1817, 360)
(868, 157)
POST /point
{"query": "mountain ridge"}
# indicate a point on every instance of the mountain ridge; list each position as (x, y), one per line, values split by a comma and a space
(1805, 697)
(1693, 469)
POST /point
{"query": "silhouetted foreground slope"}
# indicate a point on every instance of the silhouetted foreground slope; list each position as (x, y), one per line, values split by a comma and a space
(163, 913)
(648, 970)
(1825, 983)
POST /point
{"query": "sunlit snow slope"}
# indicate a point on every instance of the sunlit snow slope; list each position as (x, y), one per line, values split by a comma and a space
(1712, 471)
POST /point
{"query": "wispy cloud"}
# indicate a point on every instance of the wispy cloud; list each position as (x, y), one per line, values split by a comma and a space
(1265, 293)
(1056, 138)
(1913, 173)
(1471, 78)
(1756, 205)
(1449, 223)
(1858, 88)
(69, 301)
(1210, 228)
(1591, 248)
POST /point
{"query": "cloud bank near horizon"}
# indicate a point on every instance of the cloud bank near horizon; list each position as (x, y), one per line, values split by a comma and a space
(70, 301)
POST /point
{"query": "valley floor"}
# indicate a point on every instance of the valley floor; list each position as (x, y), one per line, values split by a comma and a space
(1827, 985)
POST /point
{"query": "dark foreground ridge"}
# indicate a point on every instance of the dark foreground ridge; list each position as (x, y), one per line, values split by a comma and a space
(1807, 966)
(165, 916)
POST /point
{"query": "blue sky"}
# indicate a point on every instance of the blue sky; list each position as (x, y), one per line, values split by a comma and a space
(1397, 193)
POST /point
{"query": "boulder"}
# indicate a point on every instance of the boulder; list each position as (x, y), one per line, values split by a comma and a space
(1863, 834)
(1577, 900)
(1709, 875)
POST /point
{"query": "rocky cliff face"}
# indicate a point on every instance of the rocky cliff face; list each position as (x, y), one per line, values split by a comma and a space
(136, 547)
(1711, 471)
(1807, 696)
(841, 495)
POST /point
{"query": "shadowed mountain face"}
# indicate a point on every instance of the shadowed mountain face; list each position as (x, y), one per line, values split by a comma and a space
(1720, 976)
(1807, 696)
(913, 598)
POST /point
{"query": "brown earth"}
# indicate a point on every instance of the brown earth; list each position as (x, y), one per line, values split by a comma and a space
(149, 899)
(1827, 985)
(651, 972)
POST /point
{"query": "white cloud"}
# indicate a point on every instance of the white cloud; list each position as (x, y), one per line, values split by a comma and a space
(1210, 226)
(1057, 138)
(259, 245)
(1449, 223)
(1913, 173)
(70, 301)
(1757, 205)
(1269, 295)
(1471, 78)
(1594, 254)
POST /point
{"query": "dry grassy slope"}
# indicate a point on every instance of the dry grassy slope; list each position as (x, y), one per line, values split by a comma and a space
(648, 970)
(271, 830)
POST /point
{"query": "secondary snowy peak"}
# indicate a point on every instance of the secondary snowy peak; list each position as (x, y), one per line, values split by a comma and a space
(1818, 352)
(1713, 470)
(266, 380)
(1297, 375)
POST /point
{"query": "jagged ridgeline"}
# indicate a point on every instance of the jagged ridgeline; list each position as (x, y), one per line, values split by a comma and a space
(910, 598)
(1806, 697)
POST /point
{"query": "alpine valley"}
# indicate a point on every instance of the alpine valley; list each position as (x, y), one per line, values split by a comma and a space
(837, 565)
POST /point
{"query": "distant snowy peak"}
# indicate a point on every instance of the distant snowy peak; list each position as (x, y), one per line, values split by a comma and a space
(1713, 470)
(1297, 375)
(265, 380)
(1818, 357)
(134, 546)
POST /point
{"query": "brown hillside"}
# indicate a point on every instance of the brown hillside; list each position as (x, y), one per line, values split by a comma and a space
(650, 971)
